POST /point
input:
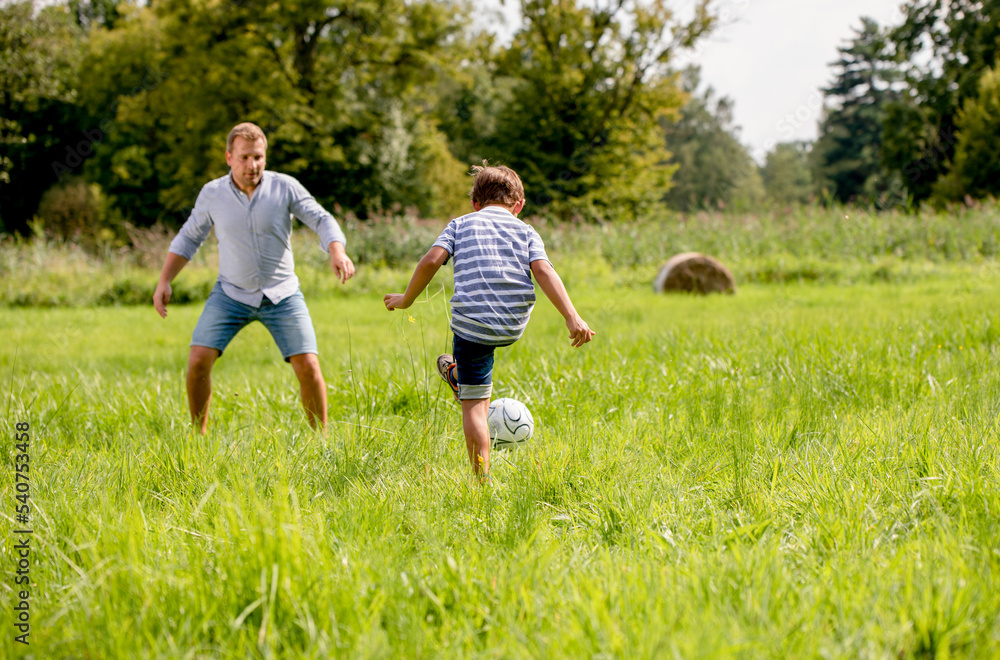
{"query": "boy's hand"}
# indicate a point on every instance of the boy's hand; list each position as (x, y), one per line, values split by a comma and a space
(422, 276)
(579, 332)
(395, 301)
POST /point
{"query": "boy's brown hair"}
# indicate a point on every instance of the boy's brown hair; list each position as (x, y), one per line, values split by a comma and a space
(496, 184)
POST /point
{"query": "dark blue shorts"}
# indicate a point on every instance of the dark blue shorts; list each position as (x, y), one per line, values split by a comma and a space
(474, 368)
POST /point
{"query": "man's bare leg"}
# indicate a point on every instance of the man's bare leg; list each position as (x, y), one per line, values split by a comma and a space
(306, 366)
(199, 384)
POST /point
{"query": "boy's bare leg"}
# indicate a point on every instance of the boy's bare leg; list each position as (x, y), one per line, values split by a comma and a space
(201, 359)
(477, 435)
(306, 366)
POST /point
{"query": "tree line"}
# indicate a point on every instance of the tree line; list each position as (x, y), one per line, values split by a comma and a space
(113, 112)
(911, 116)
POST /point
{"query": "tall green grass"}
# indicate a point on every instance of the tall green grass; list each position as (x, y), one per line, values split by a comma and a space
(839, 245)
(801, 470)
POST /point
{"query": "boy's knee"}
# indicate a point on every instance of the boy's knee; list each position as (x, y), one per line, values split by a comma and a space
(475, 409)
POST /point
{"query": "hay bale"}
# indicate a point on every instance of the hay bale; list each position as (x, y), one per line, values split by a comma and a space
(696, 273)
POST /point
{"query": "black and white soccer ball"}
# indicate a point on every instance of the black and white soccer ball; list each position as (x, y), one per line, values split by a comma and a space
(510, 422)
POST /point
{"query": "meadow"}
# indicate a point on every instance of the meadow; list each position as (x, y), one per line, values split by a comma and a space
(806, 469)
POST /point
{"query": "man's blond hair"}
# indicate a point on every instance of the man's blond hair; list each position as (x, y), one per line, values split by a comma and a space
(496, 184)
(247, 131)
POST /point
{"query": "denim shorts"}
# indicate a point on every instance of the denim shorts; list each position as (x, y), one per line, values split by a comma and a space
(474, 368)
(288, 322)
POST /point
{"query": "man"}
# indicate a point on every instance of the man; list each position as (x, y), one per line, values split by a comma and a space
(251, 209)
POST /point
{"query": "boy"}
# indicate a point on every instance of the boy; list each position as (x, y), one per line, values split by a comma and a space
(495, 257)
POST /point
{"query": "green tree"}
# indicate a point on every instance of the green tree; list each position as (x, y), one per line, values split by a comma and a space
(38, 117)
(944, 48)
(123, 69)
(848, 152)
(589, 85)
(786, 173)
(975, 170)
(92, 13)
(714, 169)
(340, 88)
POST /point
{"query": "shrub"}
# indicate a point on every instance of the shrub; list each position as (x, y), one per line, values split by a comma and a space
(78, 211)
(391, 239)
(138, 290)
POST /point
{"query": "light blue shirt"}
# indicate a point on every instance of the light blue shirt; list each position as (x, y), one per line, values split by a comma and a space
(492, 253)
(254, 234)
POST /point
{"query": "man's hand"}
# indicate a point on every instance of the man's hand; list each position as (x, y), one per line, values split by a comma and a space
(340, 262)
(579, 332)
(162, 297)
(395, 301)
(171, 267)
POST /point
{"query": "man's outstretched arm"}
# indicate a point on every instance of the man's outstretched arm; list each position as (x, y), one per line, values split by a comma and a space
(331, 237)
(173, 265)
(183, 248)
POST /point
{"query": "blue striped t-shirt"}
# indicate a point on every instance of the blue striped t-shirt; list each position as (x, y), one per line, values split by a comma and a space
(492, 253)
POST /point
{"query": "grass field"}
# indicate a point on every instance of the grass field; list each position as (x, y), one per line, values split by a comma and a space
(805, 469)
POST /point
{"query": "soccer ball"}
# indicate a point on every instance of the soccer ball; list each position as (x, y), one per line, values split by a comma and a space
(510, 422)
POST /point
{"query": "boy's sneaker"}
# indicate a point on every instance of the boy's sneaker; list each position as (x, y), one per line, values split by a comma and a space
(446, 367)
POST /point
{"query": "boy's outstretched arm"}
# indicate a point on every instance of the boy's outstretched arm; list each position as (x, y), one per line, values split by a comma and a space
(422, 276)
(550, 282)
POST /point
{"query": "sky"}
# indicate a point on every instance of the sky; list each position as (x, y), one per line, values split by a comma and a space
(771, 57)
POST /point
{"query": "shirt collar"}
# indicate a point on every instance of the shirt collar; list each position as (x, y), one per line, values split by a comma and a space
(236, 189)
(493, 208)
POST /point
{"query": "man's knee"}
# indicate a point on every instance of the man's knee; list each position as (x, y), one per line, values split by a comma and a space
(201, 359)
(306, 366)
